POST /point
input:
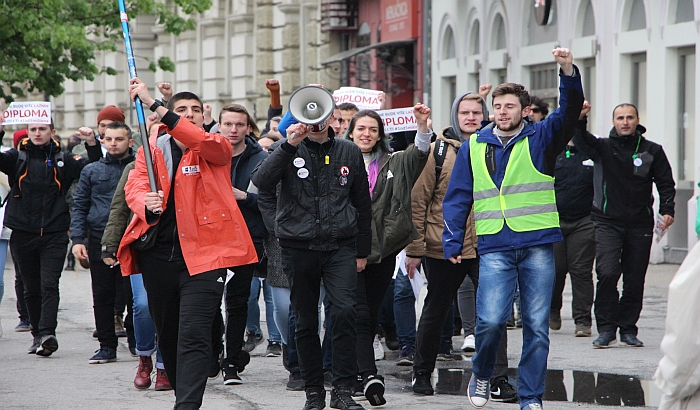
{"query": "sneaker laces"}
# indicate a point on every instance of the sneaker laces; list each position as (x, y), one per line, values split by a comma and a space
(481, 387)
(346, 399)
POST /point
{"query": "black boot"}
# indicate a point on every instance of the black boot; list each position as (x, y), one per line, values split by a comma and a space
(315, 399)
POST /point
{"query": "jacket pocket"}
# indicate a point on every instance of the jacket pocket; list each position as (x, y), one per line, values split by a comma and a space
(398, 227)
(212, 216)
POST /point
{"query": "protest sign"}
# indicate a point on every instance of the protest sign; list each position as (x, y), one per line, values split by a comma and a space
(399, 119)
(27, 112)
(363, 98)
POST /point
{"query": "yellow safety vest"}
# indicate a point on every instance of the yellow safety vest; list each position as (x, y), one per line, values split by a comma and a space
(526, 200)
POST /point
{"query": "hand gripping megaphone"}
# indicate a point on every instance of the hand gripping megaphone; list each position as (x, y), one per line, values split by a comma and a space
(312, 105)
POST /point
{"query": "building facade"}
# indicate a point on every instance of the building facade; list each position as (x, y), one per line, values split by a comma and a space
(638, 51)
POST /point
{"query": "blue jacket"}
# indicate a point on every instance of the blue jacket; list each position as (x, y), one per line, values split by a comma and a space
(547, 139)
(93, 197)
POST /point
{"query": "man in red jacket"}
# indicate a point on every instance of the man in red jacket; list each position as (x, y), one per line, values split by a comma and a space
(199, 232)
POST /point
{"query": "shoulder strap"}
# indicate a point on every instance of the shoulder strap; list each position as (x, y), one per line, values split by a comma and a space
(440, 152)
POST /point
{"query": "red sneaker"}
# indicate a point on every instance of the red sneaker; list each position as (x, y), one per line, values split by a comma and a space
(162, 382)
(143, 373)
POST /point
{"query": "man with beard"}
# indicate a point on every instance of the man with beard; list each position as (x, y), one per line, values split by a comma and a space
(506, 172)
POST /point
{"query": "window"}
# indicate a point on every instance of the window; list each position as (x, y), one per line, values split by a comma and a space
(588, 21)
(686, 108)
(363, 35)
(449, 92)
(684, 11)
(448, 44)
(474, 39)
(544, 83)
(638, 94)
(498, 35)
(638, 16)
(589, 87)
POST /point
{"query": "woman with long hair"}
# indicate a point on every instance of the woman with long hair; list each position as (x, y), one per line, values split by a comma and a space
(391, 178)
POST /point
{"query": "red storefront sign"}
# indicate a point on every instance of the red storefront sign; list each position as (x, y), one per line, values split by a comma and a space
(399, 19)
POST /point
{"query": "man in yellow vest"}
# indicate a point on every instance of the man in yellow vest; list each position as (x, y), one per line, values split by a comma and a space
(506, 173)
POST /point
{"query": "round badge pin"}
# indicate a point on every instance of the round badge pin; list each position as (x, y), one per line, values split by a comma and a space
(637, 162)
(299, 162)
(303, 173)
(60, 164)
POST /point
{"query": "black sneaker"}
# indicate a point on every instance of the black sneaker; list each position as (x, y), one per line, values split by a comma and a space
(230, 373)
(503, 391)
(274, 349)
(23, 326)
(554, 319)
(421, 383)
(604, 340)
(104, 355)
(374, 390)
(406, 357)
(243, 360)
(49, 344)
(35, 345)
(341, 398)
(295, 382)
(315, 400)
(630, 340)
(251, 342)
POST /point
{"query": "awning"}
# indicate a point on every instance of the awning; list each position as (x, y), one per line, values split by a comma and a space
(344, 55)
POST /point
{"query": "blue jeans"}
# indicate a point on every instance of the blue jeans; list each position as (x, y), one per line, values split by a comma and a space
(3, 257)
(282, 305)
(144, 328)
(405, 313)
(253, 322)
(533, 269)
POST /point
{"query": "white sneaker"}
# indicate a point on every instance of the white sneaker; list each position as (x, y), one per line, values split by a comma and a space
(469, 345)
(533, 406)
(378, 349)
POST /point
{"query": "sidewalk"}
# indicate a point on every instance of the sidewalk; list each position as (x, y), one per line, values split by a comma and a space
(66, 380)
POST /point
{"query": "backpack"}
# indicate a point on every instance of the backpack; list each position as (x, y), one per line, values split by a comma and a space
(440, 152)
(21, 170)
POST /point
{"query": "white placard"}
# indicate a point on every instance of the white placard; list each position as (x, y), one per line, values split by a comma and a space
(363, 98)
(417, 280)
(27, 112)
(399, 119)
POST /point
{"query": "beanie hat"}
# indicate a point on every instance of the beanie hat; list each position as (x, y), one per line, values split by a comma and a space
(111, 112)
(18, 135)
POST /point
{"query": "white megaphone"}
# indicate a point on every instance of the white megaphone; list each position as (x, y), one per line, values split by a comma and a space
(312, 105)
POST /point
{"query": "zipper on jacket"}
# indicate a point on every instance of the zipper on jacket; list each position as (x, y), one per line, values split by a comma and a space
(605, 197)
(43, 204)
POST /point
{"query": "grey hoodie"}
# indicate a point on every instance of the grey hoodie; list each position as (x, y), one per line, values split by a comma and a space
(455, 108)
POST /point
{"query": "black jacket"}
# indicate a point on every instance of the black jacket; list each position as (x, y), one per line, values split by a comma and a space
(93, 197)
(241, 168)
(320, 206)
(573, 183)
(37, 202)
(623, 191)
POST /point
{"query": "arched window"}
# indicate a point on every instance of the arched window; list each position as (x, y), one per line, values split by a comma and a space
(498, 35)
(637, 17)
(448, 44)
(684, 11)
(537, 34)
(588, 27)
(474, 39)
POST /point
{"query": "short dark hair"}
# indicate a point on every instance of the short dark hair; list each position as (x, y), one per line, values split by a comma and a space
(183, 95)
(346, 106)
(241, 110)
(517, 90)
(541, 104)
(636, 111)
(381, 144)
(117, 125)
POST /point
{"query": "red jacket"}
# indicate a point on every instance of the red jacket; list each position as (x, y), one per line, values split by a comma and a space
(212, 231)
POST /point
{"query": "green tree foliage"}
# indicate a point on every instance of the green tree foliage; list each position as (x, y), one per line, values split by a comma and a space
(45, 42)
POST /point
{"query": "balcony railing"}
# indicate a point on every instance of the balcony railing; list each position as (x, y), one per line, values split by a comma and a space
(339, 15)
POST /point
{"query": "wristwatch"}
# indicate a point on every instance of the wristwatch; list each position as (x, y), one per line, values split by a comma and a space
(157, 103)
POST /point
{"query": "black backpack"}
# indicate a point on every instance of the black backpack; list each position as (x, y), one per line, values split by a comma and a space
(440, 152)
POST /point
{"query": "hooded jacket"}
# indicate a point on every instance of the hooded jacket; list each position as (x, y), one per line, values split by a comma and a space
(547, 139)
(91, 200)
(622, 192)
(241, 168)
(37, 202)
(212, 231)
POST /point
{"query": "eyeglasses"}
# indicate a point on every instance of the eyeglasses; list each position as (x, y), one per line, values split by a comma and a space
(535, 110)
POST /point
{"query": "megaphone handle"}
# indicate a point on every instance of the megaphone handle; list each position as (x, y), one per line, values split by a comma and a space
(293, 136)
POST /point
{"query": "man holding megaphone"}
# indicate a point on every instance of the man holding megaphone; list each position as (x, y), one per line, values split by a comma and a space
(323, 225)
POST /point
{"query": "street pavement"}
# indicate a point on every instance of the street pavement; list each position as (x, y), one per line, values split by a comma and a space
(594, 377)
